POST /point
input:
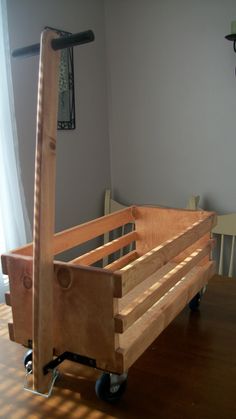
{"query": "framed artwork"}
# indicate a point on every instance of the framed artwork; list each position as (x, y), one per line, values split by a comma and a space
(66, 99)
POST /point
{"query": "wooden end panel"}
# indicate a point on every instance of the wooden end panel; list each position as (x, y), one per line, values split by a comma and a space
(83, 312)
(19, 270)
(155, 225)
(83, 308)
(159, 283)
(116, 365)
(138, 337)
(147, 264)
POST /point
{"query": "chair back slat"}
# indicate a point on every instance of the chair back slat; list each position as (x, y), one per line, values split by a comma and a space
(231, 262)
(220, 271)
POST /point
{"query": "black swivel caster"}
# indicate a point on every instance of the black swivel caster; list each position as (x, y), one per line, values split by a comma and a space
(28, 361)
(111, 387)
(194, 304)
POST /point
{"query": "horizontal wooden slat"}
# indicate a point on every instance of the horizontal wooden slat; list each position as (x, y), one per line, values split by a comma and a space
(107, 249)
(138, 337)
(75, 236)
(159, 284)
(11, 332)
(4, 264)
(123, 261)
(147, 264)
(8, 298)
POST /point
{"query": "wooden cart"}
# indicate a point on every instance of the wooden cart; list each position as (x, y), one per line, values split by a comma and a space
(103, 317)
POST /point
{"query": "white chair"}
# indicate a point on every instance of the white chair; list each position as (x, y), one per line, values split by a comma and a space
(193, 202)
(226, 227)
(224, 232)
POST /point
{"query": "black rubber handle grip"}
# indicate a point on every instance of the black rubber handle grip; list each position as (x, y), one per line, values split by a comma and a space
(57, 43)
(73, 40)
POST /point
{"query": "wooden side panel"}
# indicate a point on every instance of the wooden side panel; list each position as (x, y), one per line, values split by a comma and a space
(77, 235)
(138, 337)
(105, 250)
(146, 265)
(160, 284)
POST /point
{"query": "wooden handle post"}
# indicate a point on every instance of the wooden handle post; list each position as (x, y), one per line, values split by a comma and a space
(44, 209)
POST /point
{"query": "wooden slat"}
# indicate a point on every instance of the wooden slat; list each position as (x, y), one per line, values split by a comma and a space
(231, 262)
(19, 270)
(4, 264)
(146, 265)
(123, 261)
(87, 231)
(107, 249)
(44, 210)
(138, 337)
(141, 302)
(8, 298)
(220, 271)
(11, 332)
(77, 235)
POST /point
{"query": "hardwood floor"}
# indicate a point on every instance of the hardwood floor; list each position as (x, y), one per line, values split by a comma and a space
(189, 372)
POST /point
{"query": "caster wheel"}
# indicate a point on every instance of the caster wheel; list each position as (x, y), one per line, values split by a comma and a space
(110, 387)
(194, 304)
(28, 361)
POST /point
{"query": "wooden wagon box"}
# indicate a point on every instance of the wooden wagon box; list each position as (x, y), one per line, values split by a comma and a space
(113, 314)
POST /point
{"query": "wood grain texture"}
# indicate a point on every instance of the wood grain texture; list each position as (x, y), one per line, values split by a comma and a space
(159, 284)
(83, 312)
(20, 272)
(44, 209)
(158, 225)
(77, 235)
(121, 262)
(82, 308)
(147, 264)
(138, 337)
(105, 250)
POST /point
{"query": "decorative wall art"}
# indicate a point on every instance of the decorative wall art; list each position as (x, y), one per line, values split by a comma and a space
(66, 100)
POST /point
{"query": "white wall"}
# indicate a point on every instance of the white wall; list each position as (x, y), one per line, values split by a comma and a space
(172, 101)
(83, 166)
